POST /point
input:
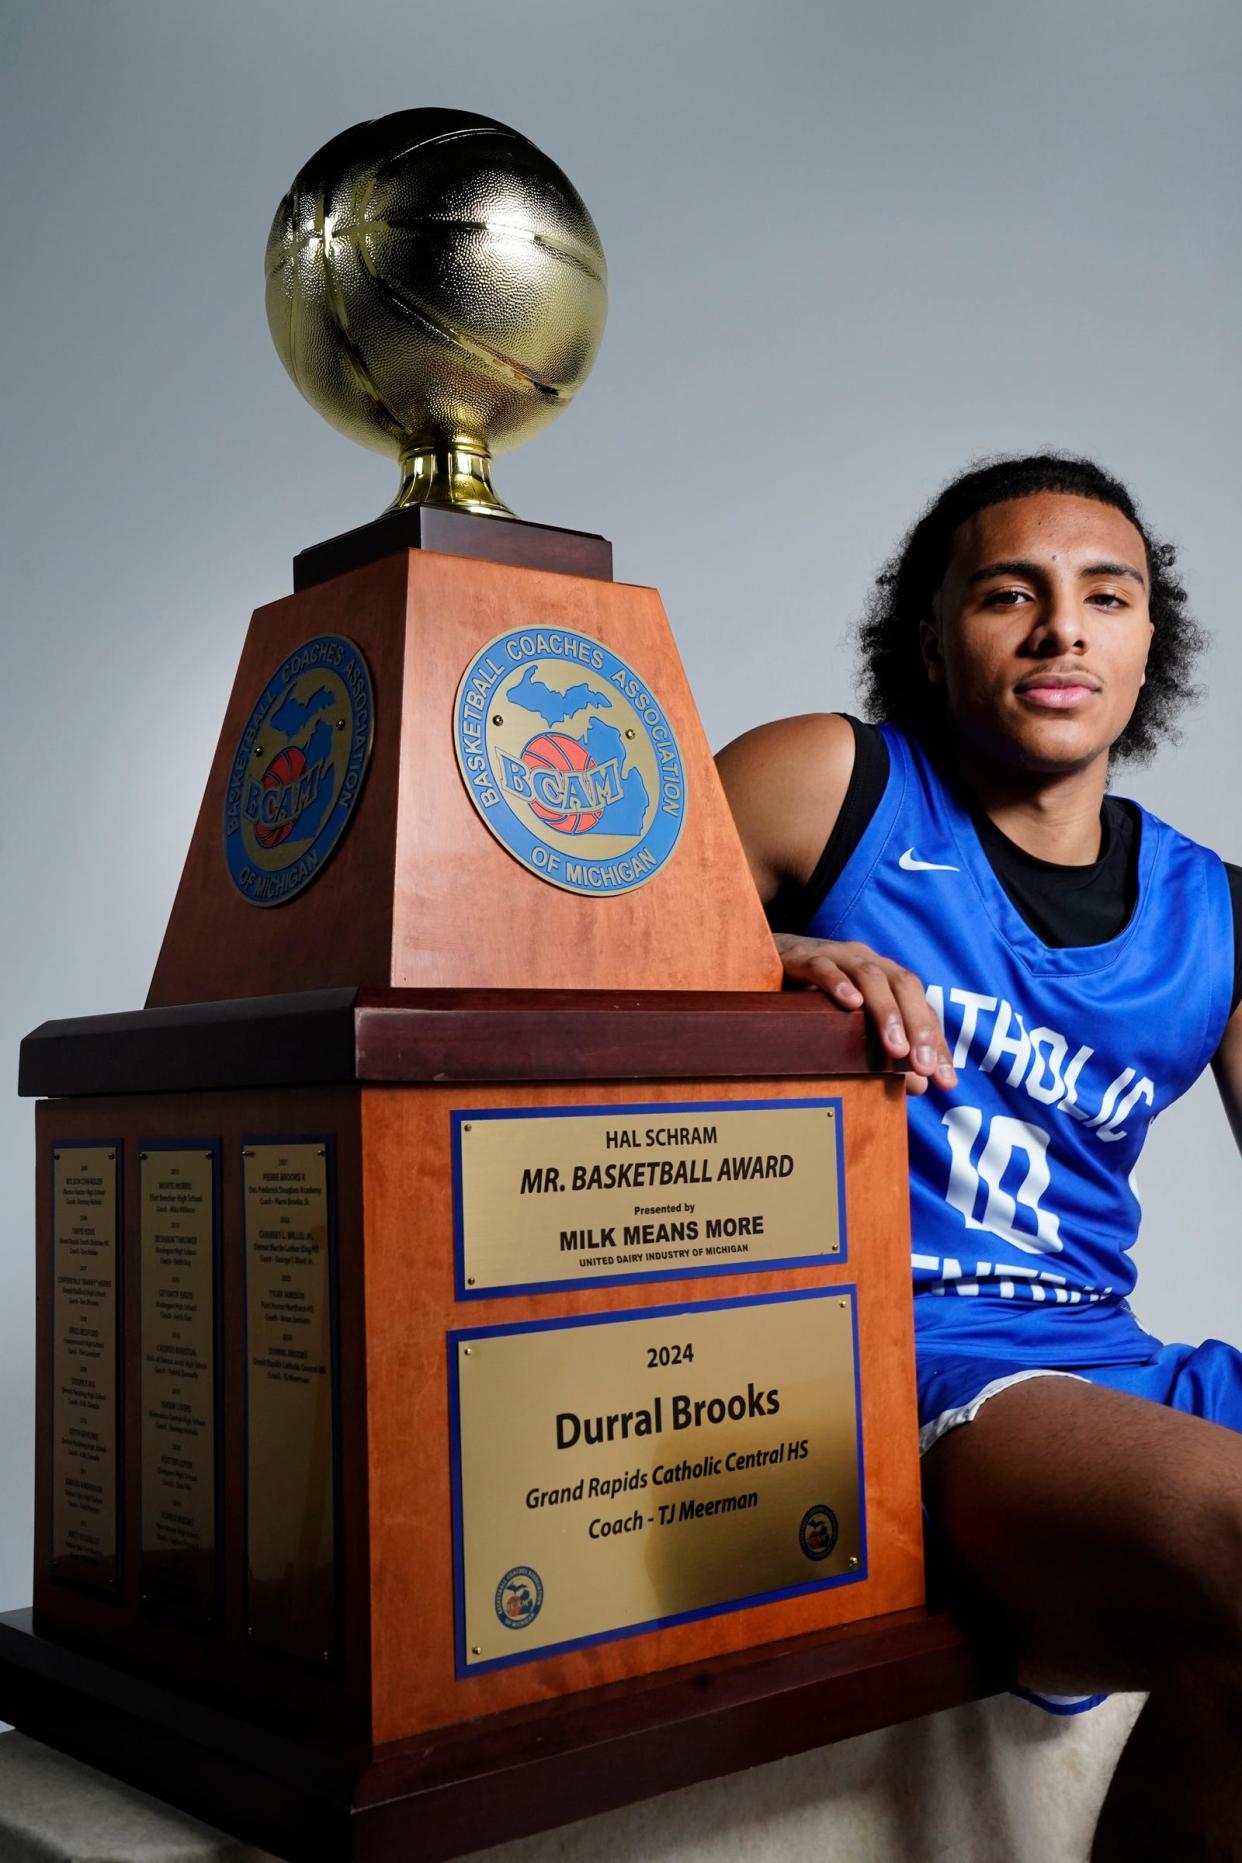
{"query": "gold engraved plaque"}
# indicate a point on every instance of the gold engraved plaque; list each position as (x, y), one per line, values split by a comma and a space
(178, 1379)
(628, 1471)
(576, 1195)
(85, 1355)
(290, 1475)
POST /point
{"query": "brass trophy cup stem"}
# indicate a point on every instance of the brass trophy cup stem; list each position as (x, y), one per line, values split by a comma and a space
(452, 474)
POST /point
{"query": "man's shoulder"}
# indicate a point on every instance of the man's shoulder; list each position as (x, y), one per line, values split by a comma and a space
(786, 782)
(805, 734)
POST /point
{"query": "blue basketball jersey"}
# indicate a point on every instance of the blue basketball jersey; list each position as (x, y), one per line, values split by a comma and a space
(1022, 1178)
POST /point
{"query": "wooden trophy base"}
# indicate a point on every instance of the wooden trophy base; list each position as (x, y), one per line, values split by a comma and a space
(384, 1737)
(445, 1794)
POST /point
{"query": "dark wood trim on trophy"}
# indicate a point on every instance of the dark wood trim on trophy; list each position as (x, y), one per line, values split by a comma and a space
(456, 533)
(553, 1035)
(441, 1795)
(247, 1041)
(321, 1037)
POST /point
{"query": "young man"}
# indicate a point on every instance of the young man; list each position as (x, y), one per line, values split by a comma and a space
(1055, 966)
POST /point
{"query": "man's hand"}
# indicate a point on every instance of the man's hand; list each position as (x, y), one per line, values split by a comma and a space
(856, 977)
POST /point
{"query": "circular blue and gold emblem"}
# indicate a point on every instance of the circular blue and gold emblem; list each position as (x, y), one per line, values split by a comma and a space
(519, 1597)
(298, 769)
(570, 760)
(817, 1534)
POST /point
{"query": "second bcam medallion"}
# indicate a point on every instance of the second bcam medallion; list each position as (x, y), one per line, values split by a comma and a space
(618, 1472)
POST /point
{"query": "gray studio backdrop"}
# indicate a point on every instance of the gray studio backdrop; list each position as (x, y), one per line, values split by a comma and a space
(851, 247)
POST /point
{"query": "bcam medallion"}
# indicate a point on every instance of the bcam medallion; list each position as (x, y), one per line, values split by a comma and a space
(298, 770)
(571, 760)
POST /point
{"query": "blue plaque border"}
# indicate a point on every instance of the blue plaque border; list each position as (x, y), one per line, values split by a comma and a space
(455, 1339)
(467, 1115)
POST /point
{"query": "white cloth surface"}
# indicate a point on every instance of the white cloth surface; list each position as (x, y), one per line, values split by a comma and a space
(997, 1781)
(994, 1782)
(54, 1810)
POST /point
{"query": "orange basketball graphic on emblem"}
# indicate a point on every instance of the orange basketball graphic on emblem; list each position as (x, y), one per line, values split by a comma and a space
(553, 758)
(285, 768)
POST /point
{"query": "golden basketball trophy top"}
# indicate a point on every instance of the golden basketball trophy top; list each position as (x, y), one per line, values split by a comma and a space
(437, 290)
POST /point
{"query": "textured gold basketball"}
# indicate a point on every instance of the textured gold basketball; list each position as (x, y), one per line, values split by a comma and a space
(434, 282)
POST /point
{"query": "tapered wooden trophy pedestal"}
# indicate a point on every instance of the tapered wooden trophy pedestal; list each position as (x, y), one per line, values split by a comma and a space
(419, 894)
(474, 1328)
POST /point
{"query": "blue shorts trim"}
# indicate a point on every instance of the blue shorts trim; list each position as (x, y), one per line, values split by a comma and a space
(1203, 1380)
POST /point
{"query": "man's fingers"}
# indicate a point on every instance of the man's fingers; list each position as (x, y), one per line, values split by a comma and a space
(929, 1054)
(871, 976)
(855, 976)
(806, 962)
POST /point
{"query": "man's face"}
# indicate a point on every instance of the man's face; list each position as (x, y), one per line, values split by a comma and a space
(1041, 630)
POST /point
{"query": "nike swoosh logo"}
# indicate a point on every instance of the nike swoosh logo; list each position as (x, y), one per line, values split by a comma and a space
(911, 865)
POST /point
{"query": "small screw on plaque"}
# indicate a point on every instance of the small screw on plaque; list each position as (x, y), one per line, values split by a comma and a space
(843, 1303)
(247, 1154)
(476, 1649)
(497, 719)
(325, 1655)
(320, 1152)
(340, 725)
(834, 1248)
(466, 1351)
(111, 1154)
(469, 1280)
(143, 1156)
(467, 1128)
(258, 750)
(853, 1562)
(629, 733)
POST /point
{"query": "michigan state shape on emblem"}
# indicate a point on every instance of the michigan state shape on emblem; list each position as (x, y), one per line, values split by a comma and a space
(570, 760)
(298, 769)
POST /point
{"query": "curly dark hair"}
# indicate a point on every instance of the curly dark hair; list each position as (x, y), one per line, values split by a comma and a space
(893, 681)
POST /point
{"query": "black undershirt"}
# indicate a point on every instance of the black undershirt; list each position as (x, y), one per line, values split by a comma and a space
(1064, 906)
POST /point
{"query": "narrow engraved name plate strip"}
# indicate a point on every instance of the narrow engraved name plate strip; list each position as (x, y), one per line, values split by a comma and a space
(618, 1473)
(290, 1474)
(177, 1205)
(85, 1365)
(568, 1196)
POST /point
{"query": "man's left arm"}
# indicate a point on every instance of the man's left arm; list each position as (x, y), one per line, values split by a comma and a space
(1227, 1067)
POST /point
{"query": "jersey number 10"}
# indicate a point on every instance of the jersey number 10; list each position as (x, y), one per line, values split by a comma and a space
(969, 1176)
